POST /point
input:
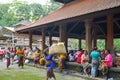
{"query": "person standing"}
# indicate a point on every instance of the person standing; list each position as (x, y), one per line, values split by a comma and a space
(12, 54)
(20, 54)
(1, 54)
(95, 56)
(50, 65)
(7, 56)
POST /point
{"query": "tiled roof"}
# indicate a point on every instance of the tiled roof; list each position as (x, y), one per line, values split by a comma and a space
(79, 8)
(64, 1)
(23, 22)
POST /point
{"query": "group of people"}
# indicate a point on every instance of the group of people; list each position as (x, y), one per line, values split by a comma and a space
(105, 58)
(12, 55)
(99, 61)
(95, 57)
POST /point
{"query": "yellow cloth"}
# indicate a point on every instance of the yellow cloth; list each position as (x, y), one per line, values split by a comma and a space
(36, 54)
(62, 56)
(62, 61)
(42, 61)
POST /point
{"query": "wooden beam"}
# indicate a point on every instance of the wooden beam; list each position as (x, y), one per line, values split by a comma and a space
(117, 24)
(53, 29)
(73, 26)
(79, 45)
(101, 29)
(88, 23)
(105, 43)
(94, 37)
(104, 21)
(69, 35)
(43, 39)
(30, 39)
(110, 32)
(63, 34)
(50, 39)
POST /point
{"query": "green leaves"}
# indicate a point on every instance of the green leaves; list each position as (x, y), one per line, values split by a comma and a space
(16, 11)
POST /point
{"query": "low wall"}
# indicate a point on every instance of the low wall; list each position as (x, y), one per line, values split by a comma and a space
(114, 71)
(74, 66)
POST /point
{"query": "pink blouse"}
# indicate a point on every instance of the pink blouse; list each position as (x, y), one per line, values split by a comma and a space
(1, 51)
(109, 60)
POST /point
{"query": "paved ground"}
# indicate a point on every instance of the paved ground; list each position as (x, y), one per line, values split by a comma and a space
(29, 73)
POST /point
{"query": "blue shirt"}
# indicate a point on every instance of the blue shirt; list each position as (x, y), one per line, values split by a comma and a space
(95, 55)
(49, 57)
(51, 65)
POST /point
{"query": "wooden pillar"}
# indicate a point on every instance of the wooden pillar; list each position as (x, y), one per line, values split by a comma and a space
(63, 34)
(88, 35)
(43, 39)
(79, 45)
(94, 37)
(30, 39)
(110, 32)
(105, 43)
(50, 38)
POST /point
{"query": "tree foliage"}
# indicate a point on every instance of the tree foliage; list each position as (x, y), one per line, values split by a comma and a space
(16, 11)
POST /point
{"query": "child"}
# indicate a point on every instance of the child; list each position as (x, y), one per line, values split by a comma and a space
(50, 64)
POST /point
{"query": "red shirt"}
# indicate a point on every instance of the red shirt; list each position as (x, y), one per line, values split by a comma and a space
(79, 57)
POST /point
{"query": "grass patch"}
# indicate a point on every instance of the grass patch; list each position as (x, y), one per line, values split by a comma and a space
(29, 73)
(22, 74)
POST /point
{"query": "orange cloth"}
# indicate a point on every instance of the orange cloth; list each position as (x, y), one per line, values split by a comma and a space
(106, 63)
(84, 58)
(20, 52)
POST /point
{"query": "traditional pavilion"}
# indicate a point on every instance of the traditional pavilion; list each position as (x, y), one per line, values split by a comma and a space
(80, 19)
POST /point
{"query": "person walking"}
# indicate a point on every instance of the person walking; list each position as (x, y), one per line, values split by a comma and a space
(50, 65)
(7, 56)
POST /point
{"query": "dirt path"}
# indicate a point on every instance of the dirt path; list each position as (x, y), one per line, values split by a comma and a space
(29, 73)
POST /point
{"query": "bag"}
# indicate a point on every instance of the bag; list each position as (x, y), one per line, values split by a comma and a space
(58, 48)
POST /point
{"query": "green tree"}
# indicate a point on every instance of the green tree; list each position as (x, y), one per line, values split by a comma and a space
(16, 11)
(50, 7)
(36, 11)
(117, 44)
(23, 12)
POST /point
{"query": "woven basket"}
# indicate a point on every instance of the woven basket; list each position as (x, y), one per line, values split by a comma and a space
(58, 48)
